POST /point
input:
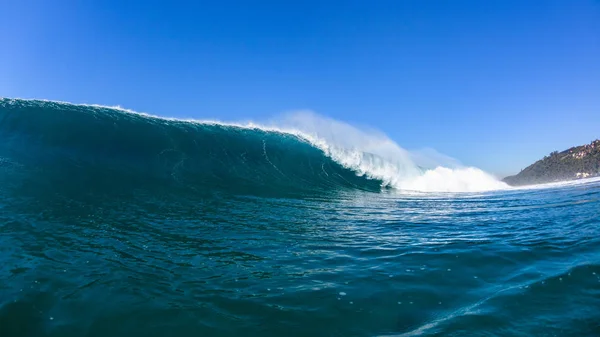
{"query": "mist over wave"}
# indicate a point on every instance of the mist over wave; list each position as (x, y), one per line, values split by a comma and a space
(374, 154)
(295, 150)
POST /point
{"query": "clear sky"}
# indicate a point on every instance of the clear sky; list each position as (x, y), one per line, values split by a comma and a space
(496, 84)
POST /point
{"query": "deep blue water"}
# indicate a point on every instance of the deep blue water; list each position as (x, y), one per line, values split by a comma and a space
(116, 224)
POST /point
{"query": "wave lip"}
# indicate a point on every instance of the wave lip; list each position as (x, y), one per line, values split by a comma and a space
(301, 151)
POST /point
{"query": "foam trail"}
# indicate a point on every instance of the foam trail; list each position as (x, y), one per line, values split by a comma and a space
(558, 184)
(442, 179)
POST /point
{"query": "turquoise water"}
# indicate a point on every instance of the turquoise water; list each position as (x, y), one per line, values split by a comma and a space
(117, 224)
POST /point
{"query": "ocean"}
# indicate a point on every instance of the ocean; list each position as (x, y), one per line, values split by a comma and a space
(115, 223)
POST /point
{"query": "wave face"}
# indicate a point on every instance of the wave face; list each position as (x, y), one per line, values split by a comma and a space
(115, 150)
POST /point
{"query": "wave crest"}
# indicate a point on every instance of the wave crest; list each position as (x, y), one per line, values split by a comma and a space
(371, 153)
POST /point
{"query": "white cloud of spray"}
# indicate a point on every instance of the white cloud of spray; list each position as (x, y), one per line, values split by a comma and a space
(429, 157)
(374, 154)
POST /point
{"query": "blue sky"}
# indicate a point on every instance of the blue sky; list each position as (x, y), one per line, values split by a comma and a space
(496, 84)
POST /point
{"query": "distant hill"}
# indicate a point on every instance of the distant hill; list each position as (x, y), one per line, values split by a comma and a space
(575, 163)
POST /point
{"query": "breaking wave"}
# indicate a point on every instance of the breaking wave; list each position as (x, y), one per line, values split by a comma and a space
(101, 148)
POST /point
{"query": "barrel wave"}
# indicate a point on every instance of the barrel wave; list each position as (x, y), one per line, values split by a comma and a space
(110, 150)
(115, 150)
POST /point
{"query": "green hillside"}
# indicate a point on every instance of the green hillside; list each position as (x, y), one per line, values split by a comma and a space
(575, 163)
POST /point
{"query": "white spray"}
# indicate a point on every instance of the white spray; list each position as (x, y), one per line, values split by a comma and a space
(372, 153)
